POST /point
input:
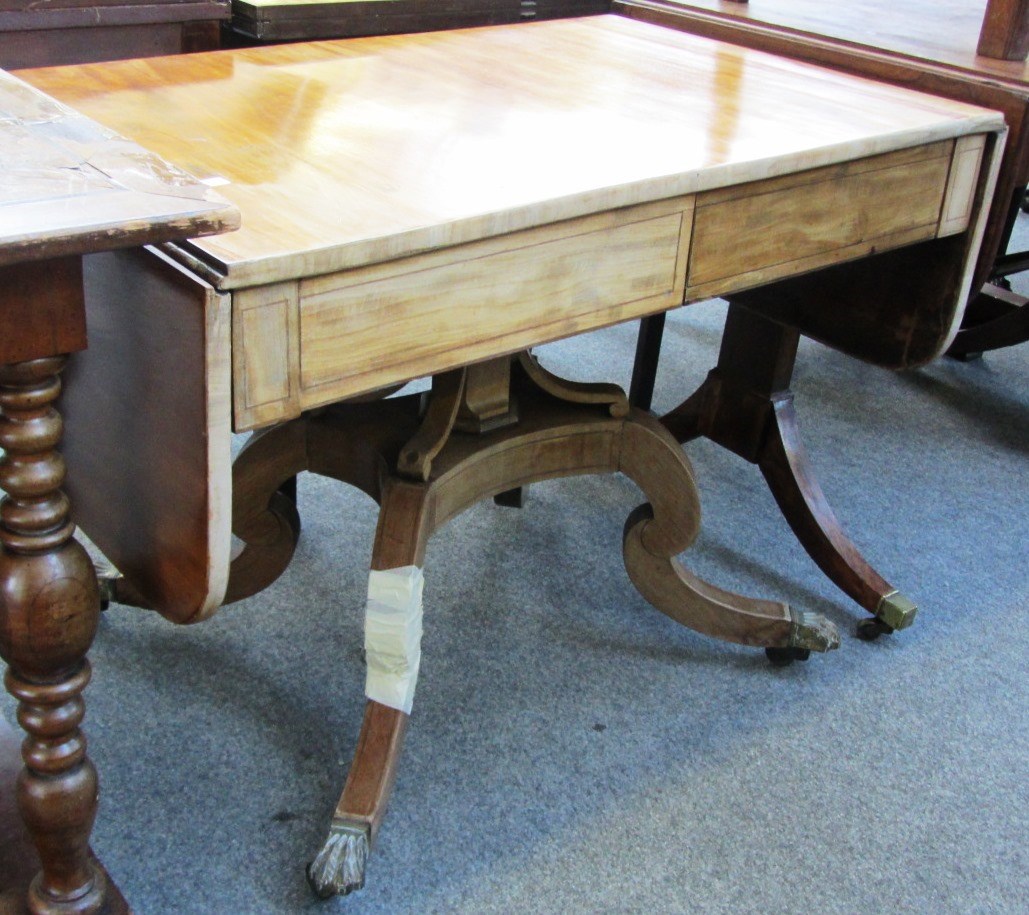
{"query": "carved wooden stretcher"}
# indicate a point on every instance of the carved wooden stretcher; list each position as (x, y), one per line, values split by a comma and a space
(392, 230)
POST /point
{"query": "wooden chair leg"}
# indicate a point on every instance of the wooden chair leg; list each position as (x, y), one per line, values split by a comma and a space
(655, 533)
(339, 867)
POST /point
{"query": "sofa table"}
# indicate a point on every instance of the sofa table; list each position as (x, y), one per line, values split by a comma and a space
(435, 205)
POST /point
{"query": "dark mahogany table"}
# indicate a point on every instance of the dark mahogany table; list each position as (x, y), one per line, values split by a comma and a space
(68, 187)
(36, 34)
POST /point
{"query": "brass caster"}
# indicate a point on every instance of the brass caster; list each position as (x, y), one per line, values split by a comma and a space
(784, 657)
(869, 630)
(812, 632)
(107, 577)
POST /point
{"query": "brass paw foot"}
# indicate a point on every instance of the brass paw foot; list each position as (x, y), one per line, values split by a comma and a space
(339, 867)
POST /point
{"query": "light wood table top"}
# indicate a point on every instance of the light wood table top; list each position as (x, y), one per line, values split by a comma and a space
(347, 153)
(68, 185)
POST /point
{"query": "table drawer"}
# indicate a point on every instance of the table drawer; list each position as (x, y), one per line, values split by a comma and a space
(301, 345)
(766, 230)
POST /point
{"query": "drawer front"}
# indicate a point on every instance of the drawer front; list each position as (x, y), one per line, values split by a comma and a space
(363, 329)
(767, 230)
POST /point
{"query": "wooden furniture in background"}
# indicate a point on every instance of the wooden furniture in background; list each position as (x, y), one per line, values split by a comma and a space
(67, 187)
(282, 20)
(437, 205)
(34, 34)
(1005, 31)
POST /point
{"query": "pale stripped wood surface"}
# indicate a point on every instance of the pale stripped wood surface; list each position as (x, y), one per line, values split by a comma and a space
(306, 343)
(940, 31)
(68, 185)
(342, 154)
(447, 308)
(853, 209)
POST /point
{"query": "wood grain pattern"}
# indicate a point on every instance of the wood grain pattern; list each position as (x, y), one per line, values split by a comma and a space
(456, 154)
(757, 234)
(153, 488)
(857, 39)
(266, 354)
(68, 185)
(959, 201)
(516, 291)
(38, 325)
(1005, 31)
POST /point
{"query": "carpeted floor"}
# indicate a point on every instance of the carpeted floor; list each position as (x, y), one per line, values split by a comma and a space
(573, 750)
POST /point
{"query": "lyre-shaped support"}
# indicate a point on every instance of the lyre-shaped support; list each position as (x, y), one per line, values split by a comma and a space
(564, 429)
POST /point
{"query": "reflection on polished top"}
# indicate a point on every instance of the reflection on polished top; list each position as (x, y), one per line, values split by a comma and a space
(68, 185)
(939, 31)
(351, 152)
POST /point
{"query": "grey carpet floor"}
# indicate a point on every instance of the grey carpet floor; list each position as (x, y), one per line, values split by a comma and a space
(571, 749)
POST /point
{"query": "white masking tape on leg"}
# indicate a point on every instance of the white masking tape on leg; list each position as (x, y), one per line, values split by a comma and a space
(393, 636)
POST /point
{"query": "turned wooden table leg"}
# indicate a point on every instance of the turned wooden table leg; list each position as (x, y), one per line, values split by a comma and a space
(745, 405)
(49, 610)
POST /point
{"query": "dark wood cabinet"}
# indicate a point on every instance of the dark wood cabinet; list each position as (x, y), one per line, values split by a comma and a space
(54, 32)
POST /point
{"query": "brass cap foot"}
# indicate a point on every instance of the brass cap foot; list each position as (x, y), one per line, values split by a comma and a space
(896, 611)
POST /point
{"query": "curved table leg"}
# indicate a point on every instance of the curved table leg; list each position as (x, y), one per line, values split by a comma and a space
(339, 868)
(562, 431)
(745, 405)
(786, 469)
(655, 533)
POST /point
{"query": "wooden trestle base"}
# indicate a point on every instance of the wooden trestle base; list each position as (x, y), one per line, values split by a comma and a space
(746, 406)
(482, 432)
